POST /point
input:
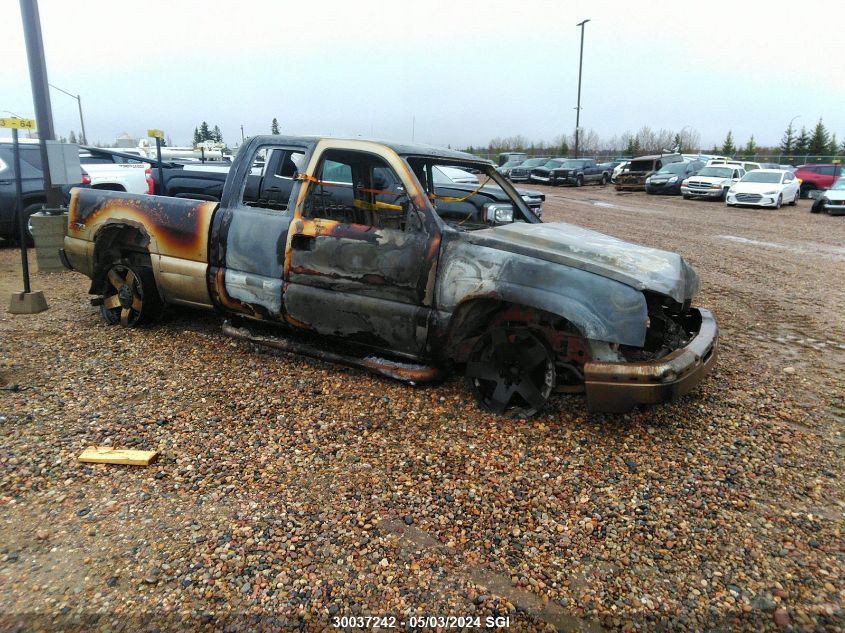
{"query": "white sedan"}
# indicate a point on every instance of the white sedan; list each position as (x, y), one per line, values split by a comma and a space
(765, 188)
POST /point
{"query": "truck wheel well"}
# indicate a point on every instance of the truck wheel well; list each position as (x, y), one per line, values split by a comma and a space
(109, 186)
(473, 318)
(114, 243)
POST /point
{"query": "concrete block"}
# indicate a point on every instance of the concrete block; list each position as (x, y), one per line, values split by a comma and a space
(27, 302)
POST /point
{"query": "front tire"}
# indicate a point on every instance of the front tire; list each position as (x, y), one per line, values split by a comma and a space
(604, 180)
(579, 181)
(511, 371)
(780, 202)
(130, 297)
(795, 198)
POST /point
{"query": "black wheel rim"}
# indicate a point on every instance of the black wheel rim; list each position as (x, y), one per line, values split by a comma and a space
(511, 371)
(123, 300)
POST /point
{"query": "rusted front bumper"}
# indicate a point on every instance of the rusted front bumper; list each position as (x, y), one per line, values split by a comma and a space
(618, 387)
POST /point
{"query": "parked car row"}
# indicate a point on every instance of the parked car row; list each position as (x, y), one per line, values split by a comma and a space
(737, 182)
(556, 171)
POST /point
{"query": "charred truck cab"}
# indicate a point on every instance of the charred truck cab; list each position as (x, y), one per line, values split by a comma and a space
(354, 252)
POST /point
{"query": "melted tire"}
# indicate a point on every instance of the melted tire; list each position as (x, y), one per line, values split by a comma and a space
(511, 372)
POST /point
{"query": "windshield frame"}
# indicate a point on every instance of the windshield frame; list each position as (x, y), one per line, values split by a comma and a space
(488, 176)
(672, 169)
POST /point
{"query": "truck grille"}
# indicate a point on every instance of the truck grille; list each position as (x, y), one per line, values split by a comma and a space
(698, 184)
(519, 173)
(748, 197)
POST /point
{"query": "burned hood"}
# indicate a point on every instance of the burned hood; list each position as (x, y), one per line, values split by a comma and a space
(637, 266)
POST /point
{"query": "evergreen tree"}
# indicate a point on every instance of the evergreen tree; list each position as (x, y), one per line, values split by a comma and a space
(274, 126)
(802, 143)
(842, 149)
(820, 140)
(677, 145)
(205, 133)
(72, 138)
(750, 148)
(715, 150)
(216, 135)
(787, 143)
(564, 148)
(728, 147)
(633, 147)
(197, 137)
(833, 146)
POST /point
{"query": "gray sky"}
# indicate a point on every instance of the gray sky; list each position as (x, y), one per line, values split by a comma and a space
(466, 71)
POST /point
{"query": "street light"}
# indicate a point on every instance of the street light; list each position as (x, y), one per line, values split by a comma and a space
(79, 103)
(578, 107)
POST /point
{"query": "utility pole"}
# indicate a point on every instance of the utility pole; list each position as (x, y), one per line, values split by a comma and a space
(40, 92)
(578, 107)
(84, 140)
(242, 134)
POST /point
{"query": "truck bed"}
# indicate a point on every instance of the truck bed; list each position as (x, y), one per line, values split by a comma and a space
(173, 227)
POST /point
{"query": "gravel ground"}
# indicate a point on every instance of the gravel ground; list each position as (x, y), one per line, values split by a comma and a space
(289, 491)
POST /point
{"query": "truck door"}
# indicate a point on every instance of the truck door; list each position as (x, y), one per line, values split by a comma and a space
(360, 257)
(249, 237)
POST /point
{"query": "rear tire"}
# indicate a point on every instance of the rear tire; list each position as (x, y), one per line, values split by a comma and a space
(687, 196)
(131, 297)
(604, 180)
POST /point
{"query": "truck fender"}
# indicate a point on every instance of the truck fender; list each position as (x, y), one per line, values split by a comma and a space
(600, 308)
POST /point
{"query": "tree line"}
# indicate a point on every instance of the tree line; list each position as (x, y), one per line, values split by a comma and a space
(818, 142)
(203, 133)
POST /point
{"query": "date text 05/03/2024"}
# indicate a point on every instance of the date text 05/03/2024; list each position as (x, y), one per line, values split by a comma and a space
(420, 622)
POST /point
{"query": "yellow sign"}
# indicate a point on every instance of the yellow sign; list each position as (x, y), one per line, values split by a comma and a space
(155, 134)
(836, 161)
(20, 124)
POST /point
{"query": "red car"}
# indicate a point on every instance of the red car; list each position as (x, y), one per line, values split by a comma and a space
(817, 176)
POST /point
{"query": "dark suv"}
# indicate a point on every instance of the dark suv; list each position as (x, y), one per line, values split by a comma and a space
(668, 178)
(32, 182)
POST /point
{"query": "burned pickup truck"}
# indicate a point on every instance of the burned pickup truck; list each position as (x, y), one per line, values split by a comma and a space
(366, 261)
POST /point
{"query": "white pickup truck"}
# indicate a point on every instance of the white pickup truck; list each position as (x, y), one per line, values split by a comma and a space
(128, 176)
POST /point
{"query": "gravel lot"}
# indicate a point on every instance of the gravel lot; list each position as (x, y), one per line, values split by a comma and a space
(289, 491)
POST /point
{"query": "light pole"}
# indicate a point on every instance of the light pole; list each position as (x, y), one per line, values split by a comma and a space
(79, 103)
(578, 107)
(789, 127)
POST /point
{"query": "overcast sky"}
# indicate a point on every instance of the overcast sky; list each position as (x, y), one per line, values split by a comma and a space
(465, 71)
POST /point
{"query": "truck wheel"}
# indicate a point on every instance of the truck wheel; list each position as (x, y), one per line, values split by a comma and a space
(511, 371)
(131, 297)
(579, 181)
(604, 180)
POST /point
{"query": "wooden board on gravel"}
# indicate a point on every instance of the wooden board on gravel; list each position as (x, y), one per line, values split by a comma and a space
(109, 455)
